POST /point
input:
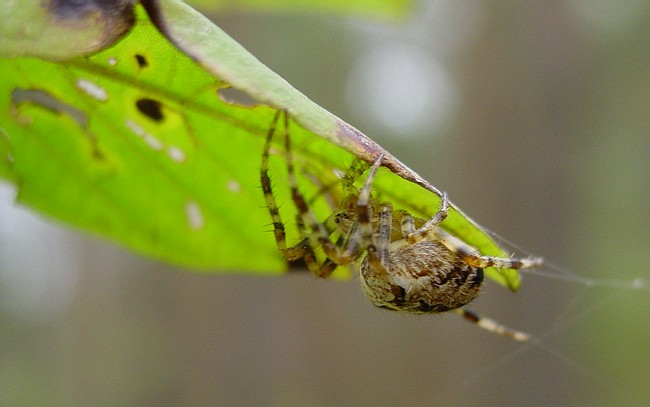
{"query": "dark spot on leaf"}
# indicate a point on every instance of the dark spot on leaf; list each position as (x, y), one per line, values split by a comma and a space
(142, 61)
(150, 108)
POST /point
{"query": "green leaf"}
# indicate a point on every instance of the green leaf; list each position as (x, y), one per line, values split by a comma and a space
(389, 9)
(142, 143)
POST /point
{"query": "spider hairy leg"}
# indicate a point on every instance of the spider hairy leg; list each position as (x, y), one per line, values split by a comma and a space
(378, 252)
(364, 209)
(472, 256)
(310, 229)
(267, 189)
(492, 326)
(468, 254)
(378, 248)
(415, 235)
(319, 232)
(302, 250)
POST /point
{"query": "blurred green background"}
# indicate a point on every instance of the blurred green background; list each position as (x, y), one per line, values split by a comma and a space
(534, 117)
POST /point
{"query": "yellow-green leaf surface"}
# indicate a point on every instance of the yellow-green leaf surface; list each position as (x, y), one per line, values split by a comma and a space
(142, 143)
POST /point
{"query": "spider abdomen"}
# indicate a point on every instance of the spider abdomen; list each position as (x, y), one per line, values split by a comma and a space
(424, 277)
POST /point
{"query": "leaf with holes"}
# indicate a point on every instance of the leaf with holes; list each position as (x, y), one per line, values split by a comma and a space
(147, 143)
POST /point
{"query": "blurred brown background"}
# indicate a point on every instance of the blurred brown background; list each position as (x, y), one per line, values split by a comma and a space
(534, 117)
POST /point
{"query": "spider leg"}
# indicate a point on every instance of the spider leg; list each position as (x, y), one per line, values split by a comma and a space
(492, 326)
(302, 250)
(415, 235)
(364, 209)
(377, 247)
(267, 188)
(465, 252)
(378, 251)
(472, 257)
(319, 232)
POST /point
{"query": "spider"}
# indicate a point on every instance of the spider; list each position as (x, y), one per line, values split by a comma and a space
(404, 263)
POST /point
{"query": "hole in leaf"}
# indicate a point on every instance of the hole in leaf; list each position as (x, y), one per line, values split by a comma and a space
(150, 108)
(142, 61)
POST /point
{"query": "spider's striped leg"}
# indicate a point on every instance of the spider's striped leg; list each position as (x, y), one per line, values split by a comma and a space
(364, 208)
(302, 250)
(378, 247)
(465, 252)
(378, 251)
(307, 219)
(492, 326)
(415, 235)
(473, 257)
(319, 232)
(328, 266)
(267, 188)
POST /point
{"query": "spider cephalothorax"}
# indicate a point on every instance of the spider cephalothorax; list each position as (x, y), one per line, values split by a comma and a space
(404, 263)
